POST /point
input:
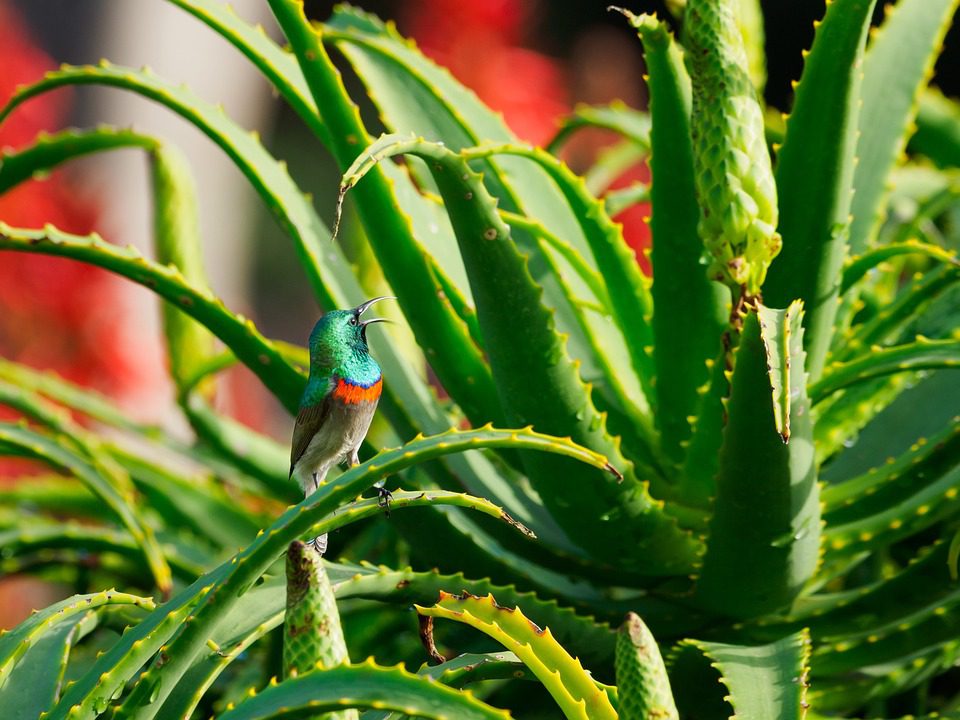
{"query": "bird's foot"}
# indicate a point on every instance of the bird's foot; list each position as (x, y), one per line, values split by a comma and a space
(384, 497)
(319, 544)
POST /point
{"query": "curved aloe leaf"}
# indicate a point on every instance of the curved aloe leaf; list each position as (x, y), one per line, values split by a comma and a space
(37, 679)
(757, 683)
(415, 95)
(446, 340)
(924, 354)
(683, 295)
(257, 455)
(891, 320)
(860, 265)
(922, 508)
(537, 381)
(627, 287)
(83, 400)
(642, 682)
(237, 333)
(896, 67)
(616, 201)
(564, 677)
(267, 176)
(279, 67)
(221, 588)
(923, 581)
(767, 472)
(610, 163)
(53, 495)
(366, 685)
(920, 630)
(176, 233)
(256, 614)
(938, 128)
(881, 488)
(25, 539)
(632, 124)
(190, 499)
(104, 480)
(16, 642)
(48, 151)
(814, 217)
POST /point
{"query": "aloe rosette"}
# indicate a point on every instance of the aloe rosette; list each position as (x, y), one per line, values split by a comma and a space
(754, 502)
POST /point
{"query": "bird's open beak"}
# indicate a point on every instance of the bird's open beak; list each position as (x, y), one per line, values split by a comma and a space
(361, 309)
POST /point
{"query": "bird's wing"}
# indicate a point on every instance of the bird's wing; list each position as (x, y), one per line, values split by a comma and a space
(309, 420)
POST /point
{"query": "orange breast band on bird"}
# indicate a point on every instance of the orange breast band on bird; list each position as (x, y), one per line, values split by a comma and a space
(350, 394)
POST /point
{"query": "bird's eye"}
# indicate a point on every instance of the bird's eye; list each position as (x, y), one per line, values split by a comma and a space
(353, 319)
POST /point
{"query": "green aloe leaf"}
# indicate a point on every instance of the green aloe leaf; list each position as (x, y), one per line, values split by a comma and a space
(176, 233)
(563, 676)
(683, 295)
(15, 643)
(257, 455)
(48, 151)
(43, 536)
(883, 487)
(36, 680)
(257, 613)
(642, 682)
(633, 125)
(938, 128)
(924, 506)
(922, 629)
(626, 286)
(767, 473)
(52, 495)
(267, 176)
(279, 67)
(857, 267)
(896, 67)
(820, 143)
(85, 401)
(756, 683)
(537, 380)
(219, 590)
(612, 162)
(924, 354)
(236, 333)
(190, 499)
(104, 479)
(924, 580)
(891, 320)
(363, 686)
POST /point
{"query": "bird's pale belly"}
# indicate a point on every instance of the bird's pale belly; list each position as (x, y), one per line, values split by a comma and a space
(335, 442)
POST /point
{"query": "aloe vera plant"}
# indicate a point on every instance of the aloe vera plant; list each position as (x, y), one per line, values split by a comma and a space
(751, 456)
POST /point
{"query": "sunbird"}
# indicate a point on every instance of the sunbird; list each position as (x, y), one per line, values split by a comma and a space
(339, 401)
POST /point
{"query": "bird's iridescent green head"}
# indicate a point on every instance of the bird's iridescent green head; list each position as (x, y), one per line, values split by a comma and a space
(340, 337)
